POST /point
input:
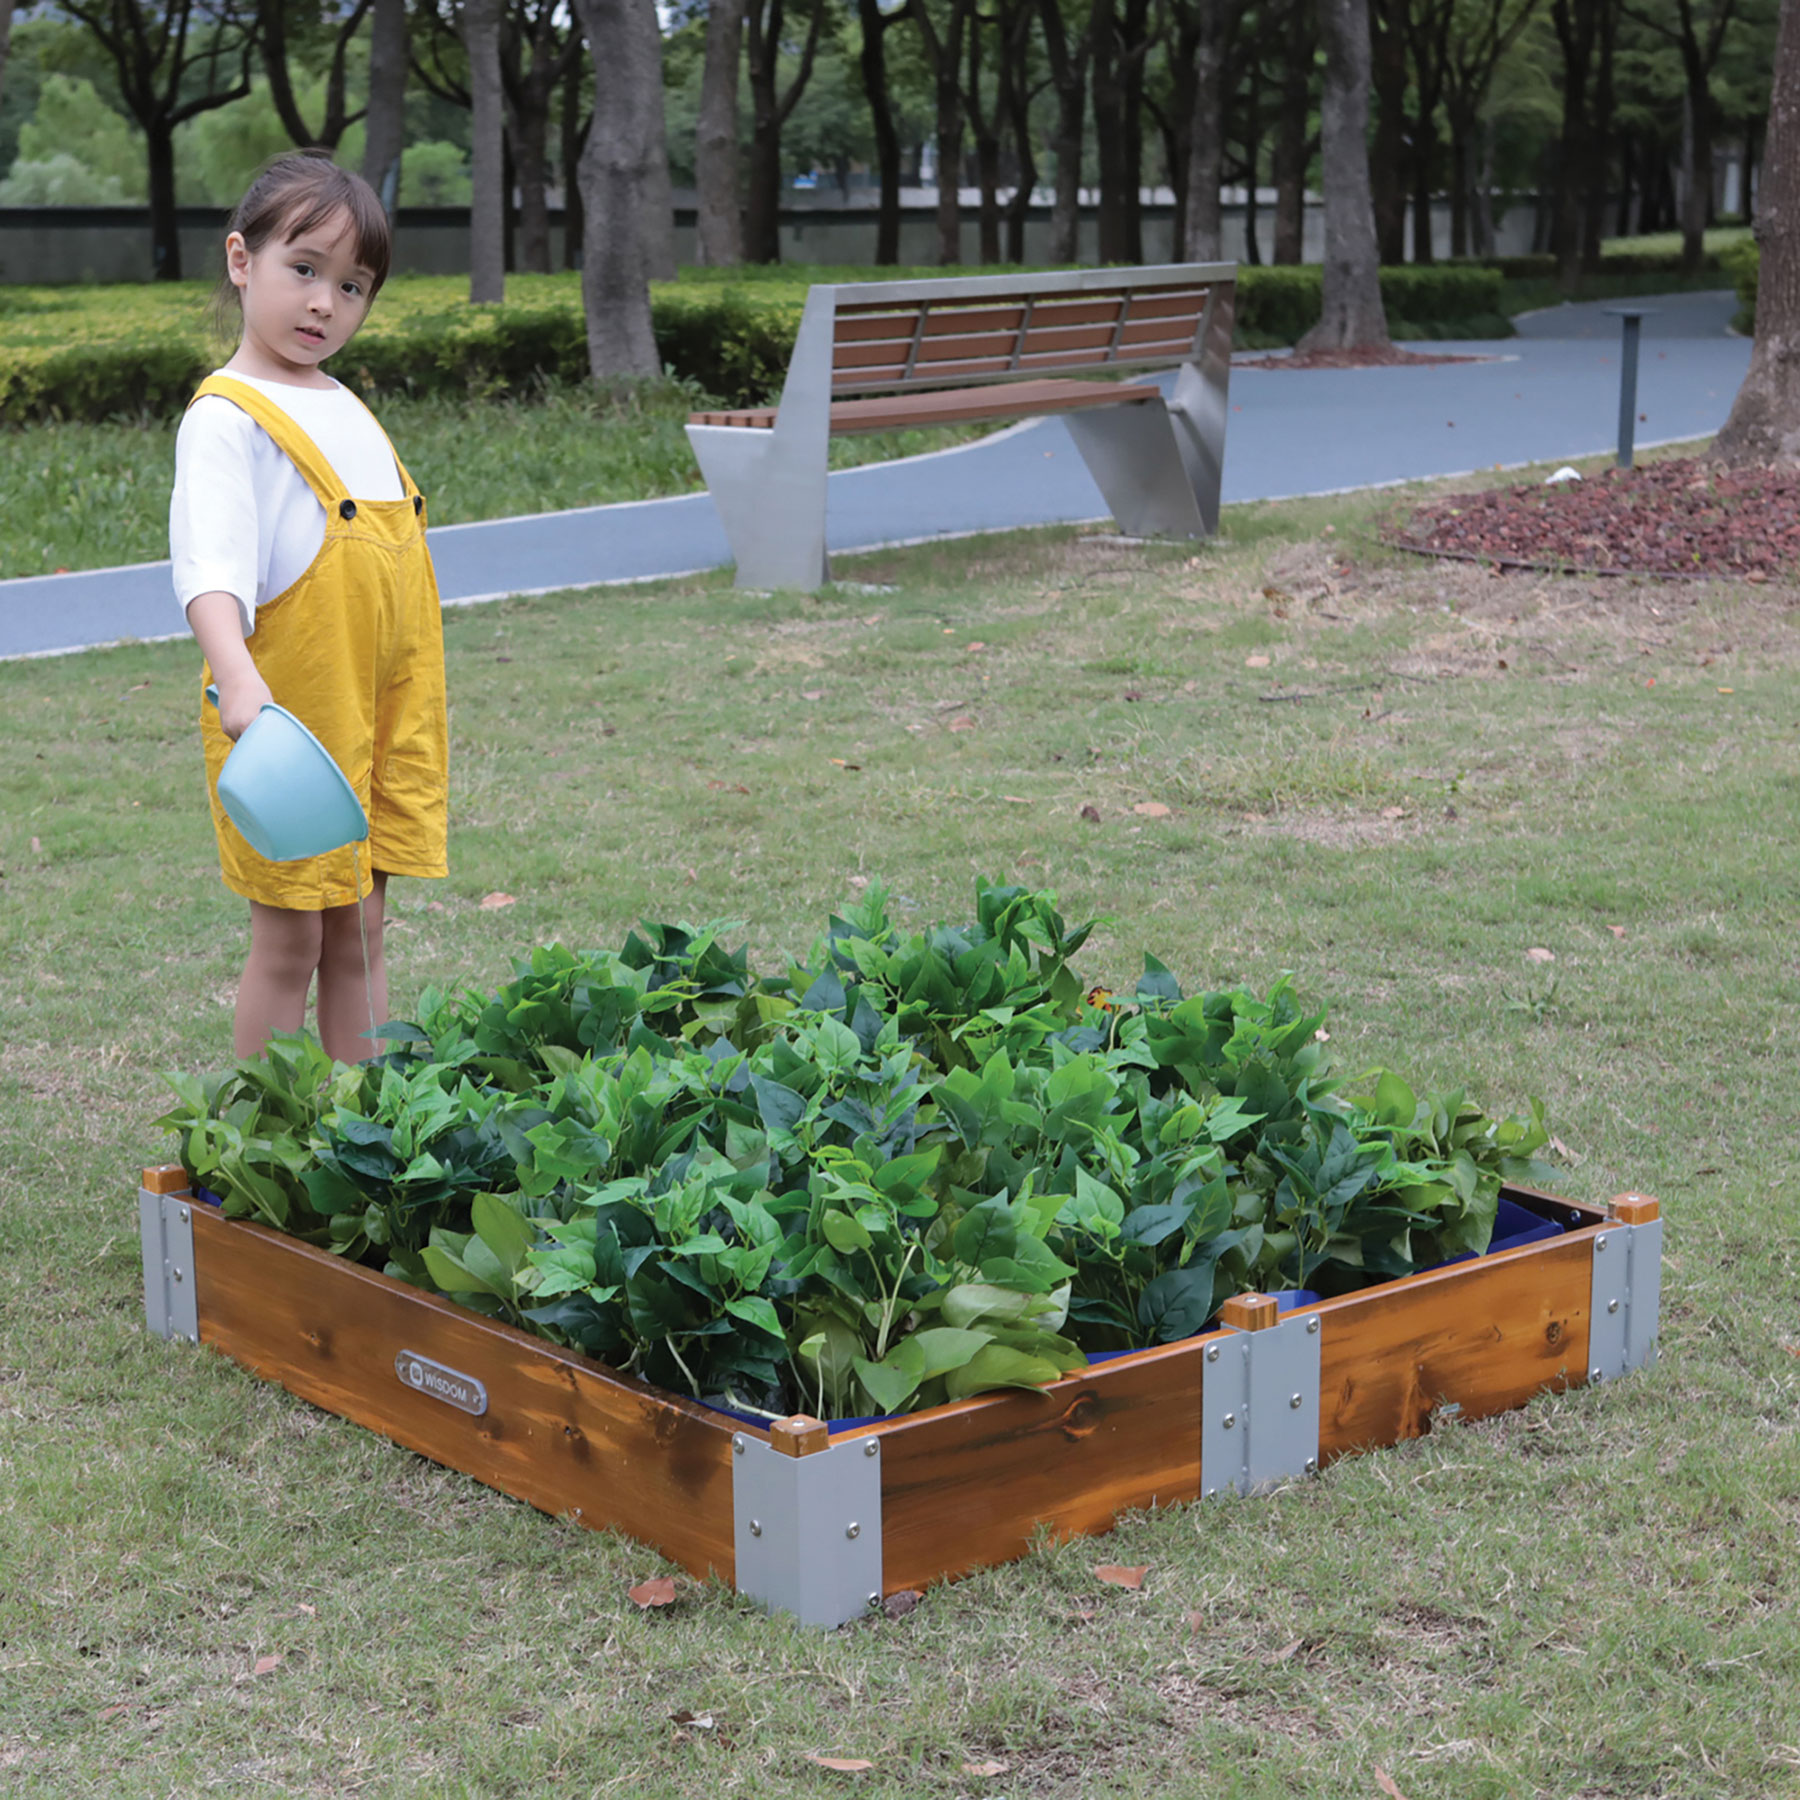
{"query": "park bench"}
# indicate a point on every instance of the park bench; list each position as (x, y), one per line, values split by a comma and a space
(893, 355)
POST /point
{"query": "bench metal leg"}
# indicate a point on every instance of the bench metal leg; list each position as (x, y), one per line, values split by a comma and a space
(1136, 462)
(772, 505)
(1201, 403)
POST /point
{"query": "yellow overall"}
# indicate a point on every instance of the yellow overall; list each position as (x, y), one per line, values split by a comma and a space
(355, 649)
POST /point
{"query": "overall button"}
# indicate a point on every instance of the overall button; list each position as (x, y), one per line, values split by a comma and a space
(418, 503)
(347, 509)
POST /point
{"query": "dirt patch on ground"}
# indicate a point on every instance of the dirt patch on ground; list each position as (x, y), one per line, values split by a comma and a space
(1680, 518)
(1384, 356)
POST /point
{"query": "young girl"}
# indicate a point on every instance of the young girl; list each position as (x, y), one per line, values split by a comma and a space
(298, 542)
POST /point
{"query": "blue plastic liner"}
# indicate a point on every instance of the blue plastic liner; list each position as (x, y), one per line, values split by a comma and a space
(1513, 1225)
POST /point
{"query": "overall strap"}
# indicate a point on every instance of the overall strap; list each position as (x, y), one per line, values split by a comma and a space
(289, 439)
(408, 487)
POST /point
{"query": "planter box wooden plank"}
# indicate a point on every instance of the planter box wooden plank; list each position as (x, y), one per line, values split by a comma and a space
(558, 1430)
(924, 1496)
(971, 1484)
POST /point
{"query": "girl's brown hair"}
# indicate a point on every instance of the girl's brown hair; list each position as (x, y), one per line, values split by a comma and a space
(295, 194)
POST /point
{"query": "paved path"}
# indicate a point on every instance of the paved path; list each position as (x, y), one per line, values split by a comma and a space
(1552, 392)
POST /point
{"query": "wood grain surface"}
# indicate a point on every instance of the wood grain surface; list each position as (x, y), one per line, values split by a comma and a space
(560, 1431)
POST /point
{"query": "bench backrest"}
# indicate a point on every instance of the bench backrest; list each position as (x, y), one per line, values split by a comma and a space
(894, 336)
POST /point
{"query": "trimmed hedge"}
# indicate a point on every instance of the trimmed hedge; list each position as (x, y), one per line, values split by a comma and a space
(1743, 263)
(144, 352)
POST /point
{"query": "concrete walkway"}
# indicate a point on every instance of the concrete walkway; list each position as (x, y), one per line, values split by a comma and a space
(1552, 392)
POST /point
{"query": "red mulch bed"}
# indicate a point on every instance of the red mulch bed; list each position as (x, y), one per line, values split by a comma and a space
(1672, 519)
(1384, 356)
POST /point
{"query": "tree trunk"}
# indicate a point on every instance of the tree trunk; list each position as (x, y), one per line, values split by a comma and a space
(6, 18)
(1696, 173)
(1114, 223)
(1764, 426)
(986, 121)
(385, 128)
(1252, 155)
(1388, 162)
(617, 177)
(531, 159)
(1459, 185)
(887, 136)
(574, 140)
(1204, 232)
(1015, 107)
(1424, 150)
(1068, 74)
(1290, 139)
(762, 204)
(165, 235)
(659, 190)
(488, 208)
(1352, 315)
(719, 220)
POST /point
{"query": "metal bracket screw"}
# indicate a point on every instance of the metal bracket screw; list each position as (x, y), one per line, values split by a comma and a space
(737, 1446)
(1600, 1243)
(1212, 1352)
(1297, 1401)
(852, 1529)
(872, 1447)
(1229, 1420)
(1312, 1326)
(1612, 1306)
(756, 1527)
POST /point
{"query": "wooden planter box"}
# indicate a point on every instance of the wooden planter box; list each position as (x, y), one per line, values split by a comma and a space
(822, 1524)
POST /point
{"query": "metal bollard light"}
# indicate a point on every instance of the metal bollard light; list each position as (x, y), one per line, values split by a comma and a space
(1632, 317)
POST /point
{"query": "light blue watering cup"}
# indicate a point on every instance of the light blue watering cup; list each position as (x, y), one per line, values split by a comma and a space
(282, 790)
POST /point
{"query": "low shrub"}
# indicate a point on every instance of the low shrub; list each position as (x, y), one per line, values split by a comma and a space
(145, 350)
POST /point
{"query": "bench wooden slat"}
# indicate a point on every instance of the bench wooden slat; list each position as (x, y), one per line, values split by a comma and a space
(953, 406)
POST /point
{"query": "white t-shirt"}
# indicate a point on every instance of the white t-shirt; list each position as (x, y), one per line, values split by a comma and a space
(242, 520)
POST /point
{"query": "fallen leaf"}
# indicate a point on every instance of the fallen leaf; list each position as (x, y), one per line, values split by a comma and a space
(36, 845)
(850, 1765)
(312, 1612)
(1618, 931)
(1538, 954)
(698, 1721)
(975, 644)
(1196, 1621)
(658, 1591)
(728, 787)
(493, 902)
(434, 906)
(1256, 662)
(859, 881)
(139, 688)
(1721, 690)
(962, 722)
(1393, 812)
(986, 1768)
(1385, 1782)
(1119, 1575)
(1151, 809)
(812, 693)
(1015, 800)
(1091, 814)
(1287, 1650)
(1081, 1615)
(837, 762)
(1791, 1349)
(898, 1604)
(267, 1665)
(1134, 693)
(112, 1712)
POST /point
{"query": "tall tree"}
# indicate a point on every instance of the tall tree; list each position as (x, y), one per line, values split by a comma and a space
(1699, 37)
(719, 214)
(539, 42)
(1353, 315)
(1293, 146)
(618, 181)
(875, 23)
(277, 18)
(1485, 30)
(764, 22)
(1203, 236)
(174, 60)
(1069, 54)
(1122, 42)
(1764, 426)
(6, 18)
(1428, 27)
(941, 42)
(1389, 161)
(479, 24)
(384, 135)
(1583, 31)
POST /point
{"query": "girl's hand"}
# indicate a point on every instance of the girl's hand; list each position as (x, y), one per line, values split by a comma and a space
(241, 699)
(218, 622)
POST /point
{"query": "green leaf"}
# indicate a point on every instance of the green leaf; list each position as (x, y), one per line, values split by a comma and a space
(754, 1310)
(506, 1233)
(844, 1234)
(1000, 1366)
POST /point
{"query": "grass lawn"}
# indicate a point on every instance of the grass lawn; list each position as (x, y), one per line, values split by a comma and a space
(1391, 777)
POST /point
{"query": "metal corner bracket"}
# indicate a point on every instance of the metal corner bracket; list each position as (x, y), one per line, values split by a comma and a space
(1259, 1406)
(1626, 1299)
(166, 1231)
(806, 1530)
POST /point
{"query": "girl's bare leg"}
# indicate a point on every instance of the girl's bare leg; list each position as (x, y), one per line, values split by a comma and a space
(344, 1003)
(284, 952)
